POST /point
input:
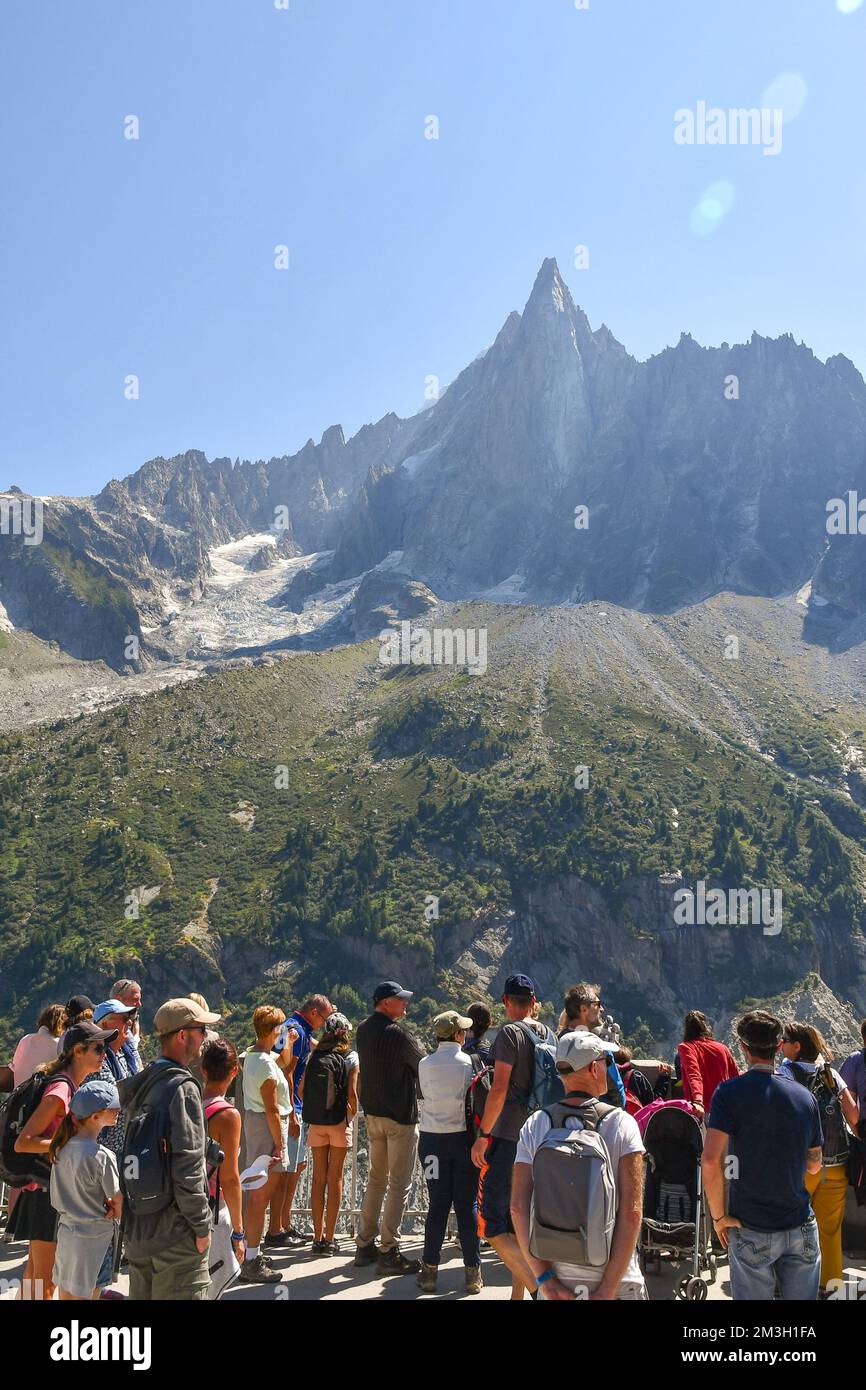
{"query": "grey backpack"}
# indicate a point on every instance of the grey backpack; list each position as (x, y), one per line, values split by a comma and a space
(574, 1189)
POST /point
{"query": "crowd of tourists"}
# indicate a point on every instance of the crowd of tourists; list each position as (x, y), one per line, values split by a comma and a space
(184, 1170)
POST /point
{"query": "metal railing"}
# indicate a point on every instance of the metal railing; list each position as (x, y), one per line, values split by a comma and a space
(355, 1174)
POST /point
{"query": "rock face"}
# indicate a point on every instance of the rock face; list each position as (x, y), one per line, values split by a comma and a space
(264, 559)
(811, 1001)
(566, 932)
(687, 491)
(385, 597)
(701, 470)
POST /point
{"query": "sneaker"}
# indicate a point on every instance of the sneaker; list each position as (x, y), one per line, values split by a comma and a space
(278, 1241)
(427, 1278)
(392, 1262)
(296, 1237)
(366, 1254)
(474, 1283)
(320, 1247)
(257, 1272)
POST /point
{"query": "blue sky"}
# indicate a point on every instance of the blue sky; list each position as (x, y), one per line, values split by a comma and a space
(306, 127)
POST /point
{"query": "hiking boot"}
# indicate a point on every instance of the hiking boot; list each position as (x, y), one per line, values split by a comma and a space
(427, 1278)
(257, 1272)
(278, 1241)
(474, 1282)
(366, 1254)
(392, 1262)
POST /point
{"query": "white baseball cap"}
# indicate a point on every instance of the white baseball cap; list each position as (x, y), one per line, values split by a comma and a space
(577, 1049)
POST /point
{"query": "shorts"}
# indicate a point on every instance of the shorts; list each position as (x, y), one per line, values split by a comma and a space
(494, 1189)
(81, 1249)
(259, 1140)
(338, 1136)
(297, 1149)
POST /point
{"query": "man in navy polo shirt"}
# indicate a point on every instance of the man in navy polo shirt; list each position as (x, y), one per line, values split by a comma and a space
(764, 1134)
(306, 1021)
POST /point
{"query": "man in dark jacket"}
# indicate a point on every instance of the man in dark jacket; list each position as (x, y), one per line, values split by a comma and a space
(388, 1058)
(168, 1249)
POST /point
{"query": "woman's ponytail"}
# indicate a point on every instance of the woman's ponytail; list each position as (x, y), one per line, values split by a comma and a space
(62, 1135)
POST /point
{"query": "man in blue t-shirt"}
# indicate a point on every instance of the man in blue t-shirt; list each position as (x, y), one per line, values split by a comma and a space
(764, 1135)
(306, 1021)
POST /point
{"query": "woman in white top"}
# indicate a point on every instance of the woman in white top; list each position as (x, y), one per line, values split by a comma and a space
(444, 1148)
(807, 1059)
(267, 1105)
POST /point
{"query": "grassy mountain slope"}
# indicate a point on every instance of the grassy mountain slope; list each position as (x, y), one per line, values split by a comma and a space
(268, 830)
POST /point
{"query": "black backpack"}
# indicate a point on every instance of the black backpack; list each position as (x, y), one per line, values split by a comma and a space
(16, 1170)
(476, 1095)
(145, 1169)
(326, 1089)
(823, 1087)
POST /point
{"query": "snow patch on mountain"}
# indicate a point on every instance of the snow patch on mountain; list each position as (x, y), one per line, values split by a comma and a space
(240, 608)
(510, 590)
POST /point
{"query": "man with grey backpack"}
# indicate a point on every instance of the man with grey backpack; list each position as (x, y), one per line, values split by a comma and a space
(577, 1190)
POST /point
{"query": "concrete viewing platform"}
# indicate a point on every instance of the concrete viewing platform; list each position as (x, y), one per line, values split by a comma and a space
(308, 1278)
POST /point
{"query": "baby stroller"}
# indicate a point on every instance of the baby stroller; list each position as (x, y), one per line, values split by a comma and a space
(675, 1224)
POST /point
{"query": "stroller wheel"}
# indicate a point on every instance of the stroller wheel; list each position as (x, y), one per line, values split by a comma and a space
(696, 1290)
(712, 1266)
(683, 1286)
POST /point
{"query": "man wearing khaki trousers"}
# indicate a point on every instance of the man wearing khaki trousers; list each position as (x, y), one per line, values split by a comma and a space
(388, 1058)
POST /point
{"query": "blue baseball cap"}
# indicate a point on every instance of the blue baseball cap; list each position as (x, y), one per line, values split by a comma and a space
(519, 984)
(109, 1007)
(93, 1096)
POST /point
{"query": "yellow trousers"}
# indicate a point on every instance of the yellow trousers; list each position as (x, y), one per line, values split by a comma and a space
(827, 1190)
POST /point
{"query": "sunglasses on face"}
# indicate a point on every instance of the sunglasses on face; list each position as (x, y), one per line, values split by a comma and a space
(98, 1048)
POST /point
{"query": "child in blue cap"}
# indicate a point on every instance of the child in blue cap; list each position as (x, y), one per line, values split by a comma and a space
(85, 1189)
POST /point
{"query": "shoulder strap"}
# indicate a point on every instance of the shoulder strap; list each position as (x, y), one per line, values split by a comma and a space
(530, 1032)
(156, 1075)
(590, 1114)
(828, 1079)
(113, 1064)
(216, 1107)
